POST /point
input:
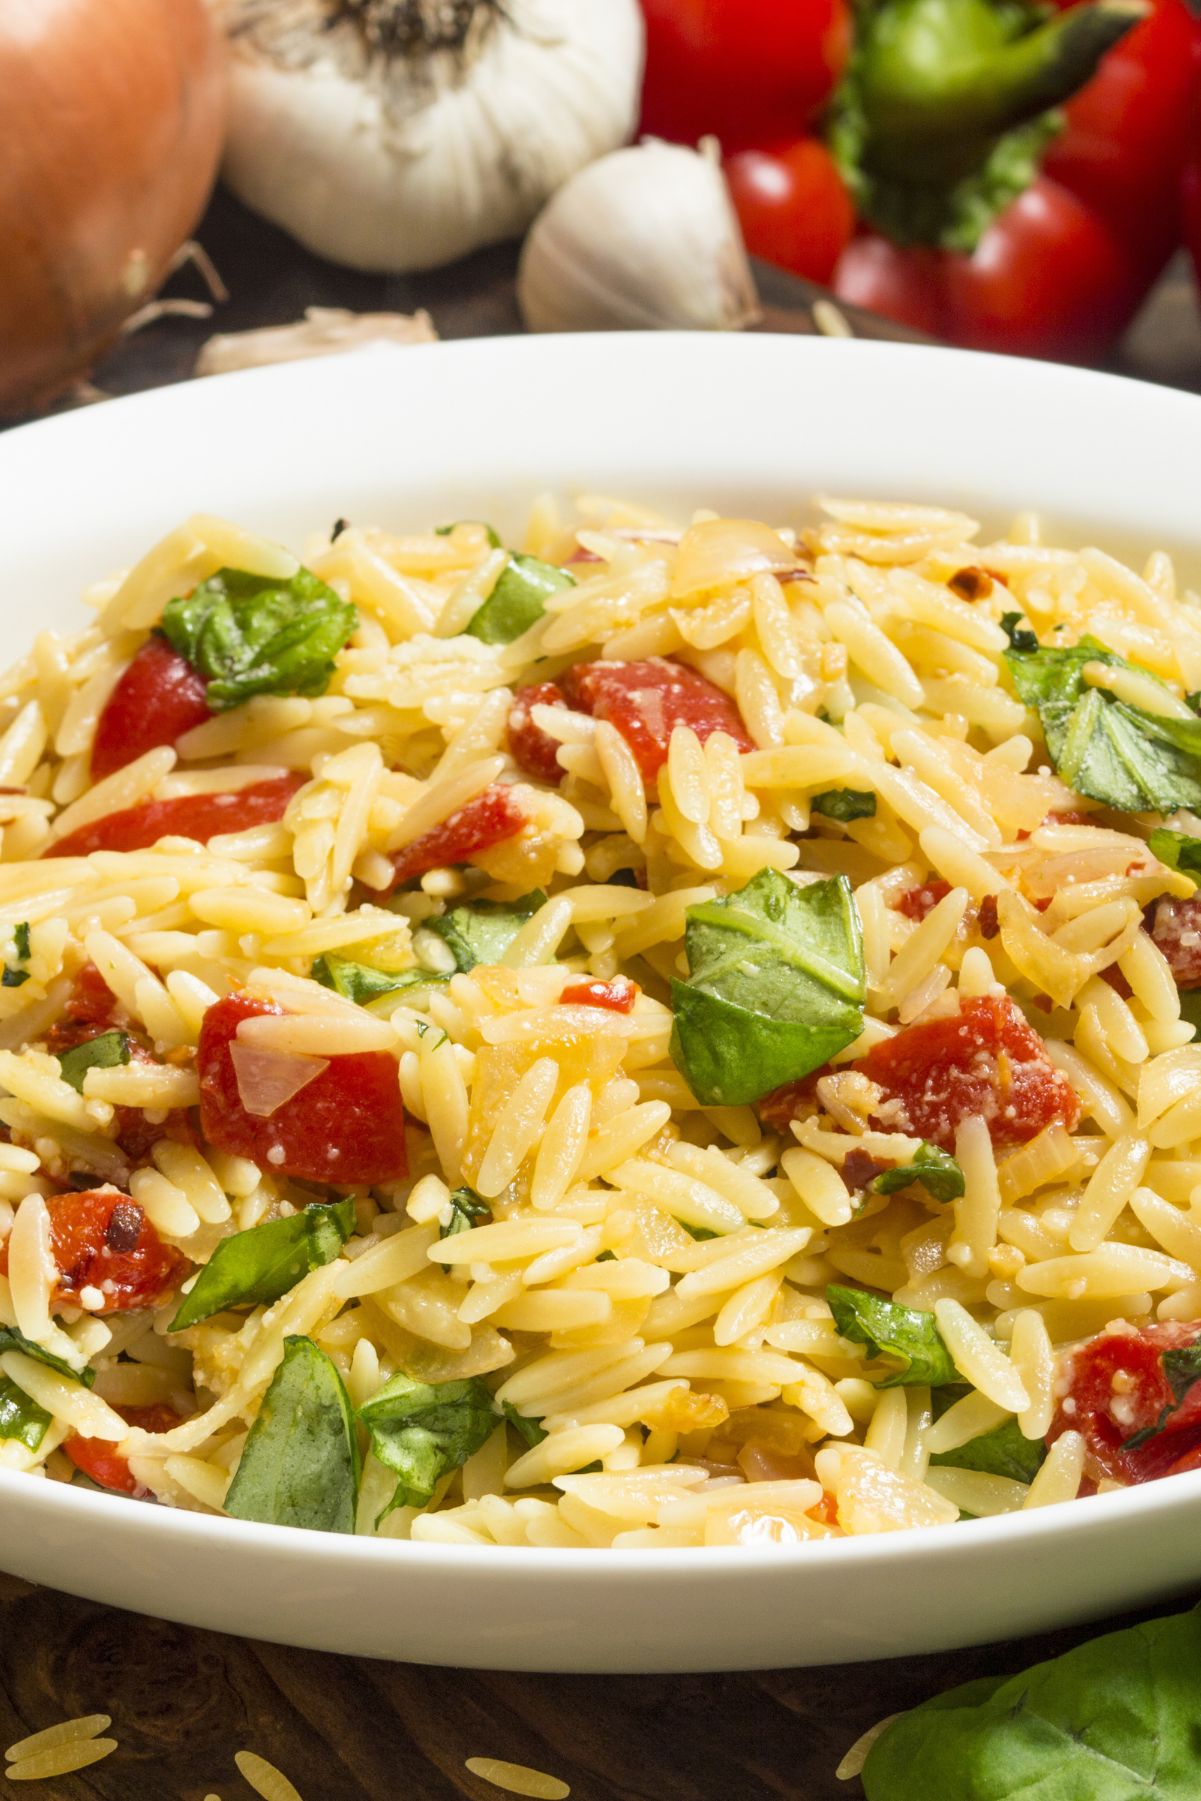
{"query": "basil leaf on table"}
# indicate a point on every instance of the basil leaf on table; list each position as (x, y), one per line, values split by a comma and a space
(300, 1464)
(1103, 747)
(423, 1430)
(776, 987)
(108, 1050)
(251, 635)
(265, 1261)
(530, 1430)
(361, 983)
(936, 1170)
(482, 931)
(1177, 850)
(844, 804)
(1113, 1720)
(889, 1330)
(13, 1340)
(21, 1418)
(518, 600)
(466, 1209)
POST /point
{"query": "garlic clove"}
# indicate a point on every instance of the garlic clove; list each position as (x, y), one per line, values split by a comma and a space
(644, 239)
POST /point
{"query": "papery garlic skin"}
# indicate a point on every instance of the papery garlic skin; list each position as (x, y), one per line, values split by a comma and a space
(644, 239)
(402, 161)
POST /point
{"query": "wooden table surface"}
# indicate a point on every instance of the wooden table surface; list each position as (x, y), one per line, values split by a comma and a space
(347, 1729)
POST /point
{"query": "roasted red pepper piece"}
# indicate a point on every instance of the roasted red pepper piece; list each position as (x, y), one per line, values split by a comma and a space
(99, 1457)
(617, 996)
(345, 1127)
(489, 819)
(1117, 1390)
(532, 749)
(198, 816)
(645, 702)
(102, 1239)
(158, 697)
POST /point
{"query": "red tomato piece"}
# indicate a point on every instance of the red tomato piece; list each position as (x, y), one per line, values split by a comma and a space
(489, 819)
(646, 701)
(532, 749)
(91, 1009)
(99, 1457)
(792, 205)
(102, 1239)
(916, 903)
(617, 996)
(1176, 929)
(158, 698)
(198, 816)
(984, 1061)
(1117, 1389)
(346, 1126)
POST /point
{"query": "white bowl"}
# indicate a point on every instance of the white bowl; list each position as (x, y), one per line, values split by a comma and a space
(753, 425)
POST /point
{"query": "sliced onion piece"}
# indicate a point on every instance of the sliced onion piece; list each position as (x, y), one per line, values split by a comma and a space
(717, 552)
(268, 1079)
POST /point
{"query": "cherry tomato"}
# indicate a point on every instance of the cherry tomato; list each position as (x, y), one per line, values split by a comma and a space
(532, 749)
(198, 816)
(1117, 1390)
(346, 1126)
(102, 1239)
(1176, 930)
(793, 206)
(646, 701)
(158, 697)
(748, 70)
(99, 1457)
(489, 819)
(617, 996)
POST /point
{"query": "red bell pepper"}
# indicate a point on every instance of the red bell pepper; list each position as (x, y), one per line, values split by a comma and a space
(1017, 175)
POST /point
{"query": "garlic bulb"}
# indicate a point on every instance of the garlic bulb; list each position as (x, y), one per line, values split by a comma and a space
(399, 134)
(643, 239)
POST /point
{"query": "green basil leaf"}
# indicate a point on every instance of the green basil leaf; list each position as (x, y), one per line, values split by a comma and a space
(530, 1430)
(518, 600)
(1107, 1721)
(300, 1464)
(1182, 1368)
(1005, 1451)
(106, 1051)
(466, 1208)
(1102, 747)
(1177, 850)
(1020, 638)
(12, 975)
(265, 1261)
(21, 940)
(494, 537)
(361, 983)
(21, 1418)
(12, 1340)
(250, 635)
(844, 804)
(423, 1430)
(776, 987)
(889, 1330)
(482, 931)
(936, 1170)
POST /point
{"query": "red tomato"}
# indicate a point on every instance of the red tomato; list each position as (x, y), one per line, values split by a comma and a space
(748, 70)
(646, 701)
(345, 1127)
(1176, 930)
(916, 903)
(99, 1457)
(617, 996)
(91, 1009)
(198, 816)
(489, 819)
(792, 205)
(985, 1062)
(158, 698)
(1117, 1389)
(532, 749)
(102, 1239)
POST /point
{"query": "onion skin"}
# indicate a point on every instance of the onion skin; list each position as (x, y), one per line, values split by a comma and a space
(114, 118)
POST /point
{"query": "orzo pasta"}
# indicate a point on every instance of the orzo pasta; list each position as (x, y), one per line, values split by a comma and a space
(679, 1035)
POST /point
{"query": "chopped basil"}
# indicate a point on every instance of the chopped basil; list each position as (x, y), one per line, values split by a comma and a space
(1005, 1451)
(265, 1261)
(107, 1050)
(1190, 1007)
(1102, 747)
(466, 1208)
(251, 635)
(21, 940)
(518, 600)
(1182, 1368)
(13, 1340)
(300, 1464)
(423, 1430)
(482, 931)
(889, 1330)
(936, 1170)
(21, 1418)
(526, 1428)
(776, 987)
(844, 804)
(1177, 850)
(493, 536)
(700, 1233)
(1020, 637)
(12, 975)
(360, 982)
(1107, 1721)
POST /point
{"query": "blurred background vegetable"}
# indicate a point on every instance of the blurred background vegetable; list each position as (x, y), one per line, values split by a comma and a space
(112, 129)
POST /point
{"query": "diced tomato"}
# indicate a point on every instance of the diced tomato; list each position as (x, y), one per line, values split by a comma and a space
(987, 918)
(102, 1239)
(346, 1126)
(99, 1457)
(1117, 1389)
(984, 1061)
(778, 1109)
(646, 701)
(489, 819)
(532, 749)
(1176, 929)
(158, 698)
(91, 1009)
(618, 996)
(916, 903)
(198, 816)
